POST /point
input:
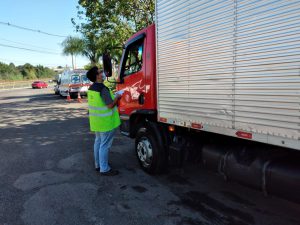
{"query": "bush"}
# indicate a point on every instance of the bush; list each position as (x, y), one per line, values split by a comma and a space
(9, 72)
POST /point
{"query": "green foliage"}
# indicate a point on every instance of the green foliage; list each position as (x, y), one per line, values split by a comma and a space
(27, 71)
(89, 66)
(89, 46)
(100, 17)
(111, 84)
(72, 46)
(105, 26)
(42, 72)
(9, 72)
(92, 48)
(112, 22)
(140, 13)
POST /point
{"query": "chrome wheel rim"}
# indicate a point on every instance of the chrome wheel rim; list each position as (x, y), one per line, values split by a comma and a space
(144, 152)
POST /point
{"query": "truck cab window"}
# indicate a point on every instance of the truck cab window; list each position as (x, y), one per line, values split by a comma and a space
(133, 59)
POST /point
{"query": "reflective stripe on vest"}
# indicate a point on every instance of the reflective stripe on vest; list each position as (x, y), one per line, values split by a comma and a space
(103, 114)
(98, 108)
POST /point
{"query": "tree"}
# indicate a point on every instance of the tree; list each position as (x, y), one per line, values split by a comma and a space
(104, 15)
(73, 46)
(139, 12)
(92, 48)
(11, 65)
(42, 71)
(112, 22)
(27, 71)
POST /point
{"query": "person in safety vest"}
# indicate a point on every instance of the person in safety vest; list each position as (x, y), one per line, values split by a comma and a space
(104, 119)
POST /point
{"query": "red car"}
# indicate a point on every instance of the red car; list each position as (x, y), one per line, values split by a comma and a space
(39, 84)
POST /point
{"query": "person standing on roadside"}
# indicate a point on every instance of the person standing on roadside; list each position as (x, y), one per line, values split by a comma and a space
(104, 119)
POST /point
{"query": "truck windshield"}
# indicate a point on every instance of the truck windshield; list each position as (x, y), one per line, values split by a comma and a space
(75, 79)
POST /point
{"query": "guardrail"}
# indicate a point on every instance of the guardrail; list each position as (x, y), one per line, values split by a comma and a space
(7, 85)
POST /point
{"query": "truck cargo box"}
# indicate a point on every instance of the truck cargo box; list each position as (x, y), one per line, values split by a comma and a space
(230, 67)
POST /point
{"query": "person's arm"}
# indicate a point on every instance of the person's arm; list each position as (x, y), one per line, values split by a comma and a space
(110, 103)
(115, 102)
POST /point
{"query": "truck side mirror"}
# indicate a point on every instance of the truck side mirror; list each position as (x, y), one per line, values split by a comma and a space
(107, 67)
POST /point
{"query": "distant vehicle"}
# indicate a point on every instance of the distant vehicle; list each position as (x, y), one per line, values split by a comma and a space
(56, 89)
(57, 80)
(39, 84)
(72, 82)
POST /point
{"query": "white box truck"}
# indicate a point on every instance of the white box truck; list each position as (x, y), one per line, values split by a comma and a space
(219, 80)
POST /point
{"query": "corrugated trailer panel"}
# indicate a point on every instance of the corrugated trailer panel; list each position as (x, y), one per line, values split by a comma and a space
(231, 66)
(267, 62)
(201, 47)
(174, 15)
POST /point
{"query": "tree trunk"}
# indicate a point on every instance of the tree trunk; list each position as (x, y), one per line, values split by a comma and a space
(72, 61)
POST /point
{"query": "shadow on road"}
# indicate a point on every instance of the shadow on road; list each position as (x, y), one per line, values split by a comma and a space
(44, 136)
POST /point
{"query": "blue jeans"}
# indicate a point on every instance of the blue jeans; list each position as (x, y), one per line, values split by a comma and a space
(103, 142)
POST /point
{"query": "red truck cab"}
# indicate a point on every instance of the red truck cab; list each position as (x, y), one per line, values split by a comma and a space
(138, 105)
(137, 77)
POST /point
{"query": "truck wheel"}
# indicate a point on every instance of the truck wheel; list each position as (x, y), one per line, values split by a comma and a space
(149, 150)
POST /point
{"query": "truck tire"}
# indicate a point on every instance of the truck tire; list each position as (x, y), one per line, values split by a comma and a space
(149, 149)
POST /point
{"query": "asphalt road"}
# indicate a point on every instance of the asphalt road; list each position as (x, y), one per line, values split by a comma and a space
(47, 177)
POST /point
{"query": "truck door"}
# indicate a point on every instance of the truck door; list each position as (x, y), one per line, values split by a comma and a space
(132, 76)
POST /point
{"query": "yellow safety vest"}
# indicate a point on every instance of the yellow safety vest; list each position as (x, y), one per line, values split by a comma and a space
(102, 118)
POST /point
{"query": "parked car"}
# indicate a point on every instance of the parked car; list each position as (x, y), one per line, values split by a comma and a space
(39, 84)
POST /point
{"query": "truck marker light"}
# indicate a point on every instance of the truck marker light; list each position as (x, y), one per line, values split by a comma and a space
(171, 128)
(197, 126)
(243, 134)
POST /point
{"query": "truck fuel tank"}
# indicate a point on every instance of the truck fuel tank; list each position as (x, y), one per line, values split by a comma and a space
(274, 172)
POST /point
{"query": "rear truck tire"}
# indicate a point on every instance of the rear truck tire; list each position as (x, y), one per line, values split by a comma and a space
(149, 149)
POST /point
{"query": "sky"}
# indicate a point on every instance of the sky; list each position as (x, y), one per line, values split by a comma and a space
(50, 16)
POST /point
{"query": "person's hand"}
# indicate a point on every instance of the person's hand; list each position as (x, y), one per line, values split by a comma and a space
(118, 96)
(120, 92)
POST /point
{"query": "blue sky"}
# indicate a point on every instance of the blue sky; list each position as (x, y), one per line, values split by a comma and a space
(51, 16)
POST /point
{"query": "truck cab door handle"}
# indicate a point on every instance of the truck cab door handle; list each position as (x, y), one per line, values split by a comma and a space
(141, 99)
